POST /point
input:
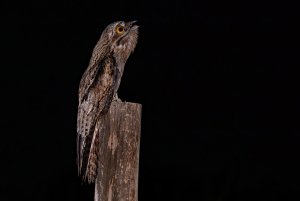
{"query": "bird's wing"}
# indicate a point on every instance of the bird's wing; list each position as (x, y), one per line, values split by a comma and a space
(95, 97)
(88, 79)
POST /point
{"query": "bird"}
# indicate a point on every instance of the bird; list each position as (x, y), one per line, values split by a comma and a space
(98, 89)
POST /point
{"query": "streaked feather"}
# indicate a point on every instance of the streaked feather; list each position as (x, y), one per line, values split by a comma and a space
(98, 86)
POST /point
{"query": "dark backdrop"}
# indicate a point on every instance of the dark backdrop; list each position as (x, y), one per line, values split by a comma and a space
(218, 84)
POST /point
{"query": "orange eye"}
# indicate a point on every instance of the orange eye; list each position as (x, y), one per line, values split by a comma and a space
(120, 29)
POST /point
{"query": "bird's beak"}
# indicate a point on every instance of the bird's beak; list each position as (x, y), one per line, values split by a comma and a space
(130, 24)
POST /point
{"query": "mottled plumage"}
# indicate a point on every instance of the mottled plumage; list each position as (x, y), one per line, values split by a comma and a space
(98, 87)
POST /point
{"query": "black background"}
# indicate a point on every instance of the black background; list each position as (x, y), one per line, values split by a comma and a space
(218, 81)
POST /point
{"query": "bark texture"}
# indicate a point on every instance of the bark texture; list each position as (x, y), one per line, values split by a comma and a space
(117, 178)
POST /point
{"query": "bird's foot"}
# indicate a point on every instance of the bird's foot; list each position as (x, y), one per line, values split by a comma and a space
(116, 98)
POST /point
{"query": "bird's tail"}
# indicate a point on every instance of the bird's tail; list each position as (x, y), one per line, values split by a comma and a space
(87, 154)
(92, 162)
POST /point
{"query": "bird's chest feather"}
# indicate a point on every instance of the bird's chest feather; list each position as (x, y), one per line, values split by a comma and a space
(106, 77)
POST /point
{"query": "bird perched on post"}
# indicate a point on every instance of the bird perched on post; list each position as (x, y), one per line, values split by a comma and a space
(98, 88)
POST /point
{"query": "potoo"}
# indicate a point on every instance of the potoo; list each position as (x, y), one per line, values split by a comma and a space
(98, 88)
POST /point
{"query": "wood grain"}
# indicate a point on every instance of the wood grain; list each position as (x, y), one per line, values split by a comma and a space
(117, 178)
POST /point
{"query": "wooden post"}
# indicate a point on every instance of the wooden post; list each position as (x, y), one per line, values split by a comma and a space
(117, 178)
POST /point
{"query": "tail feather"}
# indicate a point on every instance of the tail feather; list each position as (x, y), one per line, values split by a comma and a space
(78, 159)
(86, 127)
(88, 151)
(92, 165)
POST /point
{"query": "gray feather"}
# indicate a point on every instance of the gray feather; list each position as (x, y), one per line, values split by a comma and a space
(98, 86)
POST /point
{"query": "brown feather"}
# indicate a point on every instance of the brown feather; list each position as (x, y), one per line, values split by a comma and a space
(98, 86)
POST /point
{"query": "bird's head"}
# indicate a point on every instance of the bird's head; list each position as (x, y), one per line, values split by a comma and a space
(121, 38)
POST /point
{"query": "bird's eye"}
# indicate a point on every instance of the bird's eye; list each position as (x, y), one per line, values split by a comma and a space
(120, 29)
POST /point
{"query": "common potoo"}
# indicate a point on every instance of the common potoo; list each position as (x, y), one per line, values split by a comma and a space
(98, 88)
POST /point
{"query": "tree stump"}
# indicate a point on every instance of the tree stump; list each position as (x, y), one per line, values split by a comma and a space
(117, 178)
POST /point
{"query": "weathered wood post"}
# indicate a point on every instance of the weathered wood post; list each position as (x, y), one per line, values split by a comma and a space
(117, 178)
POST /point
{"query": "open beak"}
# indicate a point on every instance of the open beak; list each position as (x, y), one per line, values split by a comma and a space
(130, 24)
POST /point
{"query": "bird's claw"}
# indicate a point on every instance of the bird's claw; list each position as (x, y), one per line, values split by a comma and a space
(116, 98)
